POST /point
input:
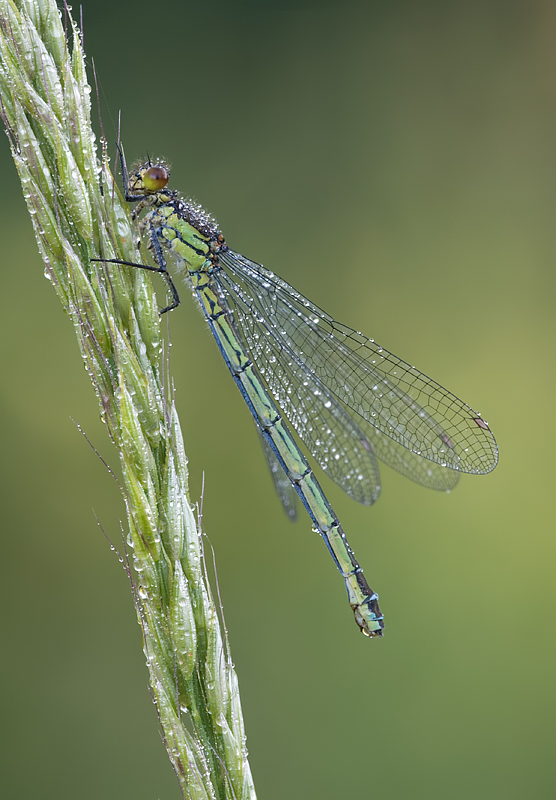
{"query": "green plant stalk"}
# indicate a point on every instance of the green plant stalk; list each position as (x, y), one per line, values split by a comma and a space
(78, 214)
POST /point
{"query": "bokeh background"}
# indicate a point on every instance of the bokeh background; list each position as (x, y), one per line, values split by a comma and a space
(396, 161)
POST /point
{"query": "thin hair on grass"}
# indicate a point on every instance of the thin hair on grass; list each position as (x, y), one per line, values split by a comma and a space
(78, 214)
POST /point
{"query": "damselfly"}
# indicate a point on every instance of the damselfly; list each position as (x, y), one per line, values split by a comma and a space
(349, 400)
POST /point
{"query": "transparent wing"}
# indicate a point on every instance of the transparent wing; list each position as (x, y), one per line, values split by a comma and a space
(281, 328)
(344, 449)
(328, 431)
(418, 469)
(283, 486)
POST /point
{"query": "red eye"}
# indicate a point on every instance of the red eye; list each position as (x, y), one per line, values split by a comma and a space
(155, 178)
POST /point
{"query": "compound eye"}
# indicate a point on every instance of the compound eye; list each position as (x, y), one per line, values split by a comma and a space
(155, 178)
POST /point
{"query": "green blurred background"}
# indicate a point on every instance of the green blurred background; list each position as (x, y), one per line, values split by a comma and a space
(396, 161)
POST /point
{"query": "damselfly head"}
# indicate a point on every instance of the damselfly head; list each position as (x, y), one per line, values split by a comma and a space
(149, 178)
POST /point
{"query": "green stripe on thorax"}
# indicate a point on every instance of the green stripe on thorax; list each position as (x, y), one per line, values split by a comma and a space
(185, 240)
(183, 227)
